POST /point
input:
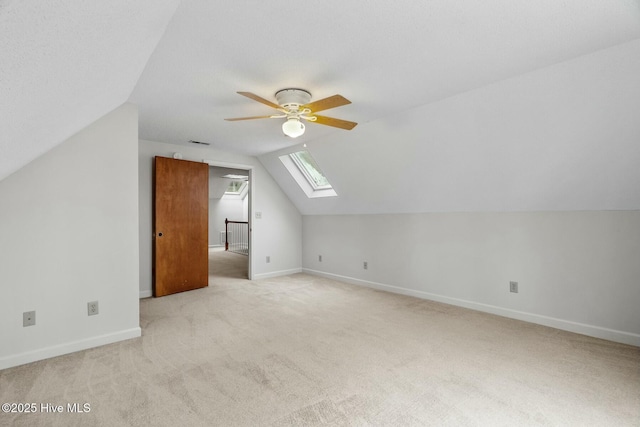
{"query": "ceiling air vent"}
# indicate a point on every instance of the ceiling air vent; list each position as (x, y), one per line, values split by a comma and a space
(198, 142)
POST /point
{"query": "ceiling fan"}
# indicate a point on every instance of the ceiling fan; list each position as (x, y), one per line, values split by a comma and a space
(294, 105)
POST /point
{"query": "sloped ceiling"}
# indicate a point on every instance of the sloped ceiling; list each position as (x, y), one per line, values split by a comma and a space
(462, 105)
(66, 63)
(562, 138)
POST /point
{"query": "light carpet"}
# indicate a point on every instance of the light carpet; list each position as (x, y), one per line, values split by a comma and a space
(302, 351)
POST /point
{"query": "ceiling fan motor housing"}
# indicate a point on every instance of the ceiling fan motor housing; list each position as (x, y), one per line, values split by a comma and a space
(292, 97)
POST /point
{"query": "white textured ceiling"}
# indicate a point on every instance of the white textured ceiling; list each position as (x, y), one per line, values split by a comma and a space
(562, 138)
(489, 105)
(66, 63)
(386, 57)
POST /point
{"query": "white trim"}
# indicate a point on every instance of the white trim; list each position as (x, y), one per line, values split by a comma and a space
(71, 347)
(229, 165)
(146, 294)
(565, 325)
(277, 273)
(251, 193)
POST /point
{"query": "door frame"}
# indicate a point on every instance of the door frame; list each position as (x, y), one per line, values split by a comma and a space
(249, 169)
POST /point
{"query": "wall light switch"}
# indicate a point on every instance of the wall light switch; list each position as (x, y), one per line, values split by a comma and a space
(28, 318)
(513, 287)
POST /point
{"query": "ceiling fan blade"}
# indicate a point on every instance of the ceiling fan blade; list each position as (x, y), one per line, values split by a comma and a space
(260, 99)
(235, 119)
(336, 123)
(327, 103)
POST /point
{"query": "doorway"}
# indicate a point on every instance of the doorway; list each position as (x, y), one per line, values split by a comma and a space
(229, 199)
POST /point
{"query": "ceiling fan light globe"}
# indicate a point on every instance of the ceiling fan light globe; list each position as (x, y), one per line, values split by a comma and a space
(293, 128)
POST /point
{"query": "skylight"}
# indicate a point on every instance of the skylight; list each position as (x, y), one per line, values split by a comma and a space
(304, 169)
(235, 187)
(310, 169)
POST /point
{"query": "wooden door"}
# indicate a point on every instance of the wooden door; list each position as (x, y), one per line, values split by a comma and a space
(181, 224)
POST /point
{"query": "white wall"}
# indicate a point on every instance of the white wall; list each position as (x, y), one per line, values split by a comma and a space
(68, 227)
(219, 210)
(278, 234)
(577, 271)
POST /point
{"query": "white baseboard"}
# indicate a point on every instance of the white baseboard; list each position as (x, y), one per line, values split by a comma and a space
(565, 325)
(276, 273)
(71, 347)
(146, 294)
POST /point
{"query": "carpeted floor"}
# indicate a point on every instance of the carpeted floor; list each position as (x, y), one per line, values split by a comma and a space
(302, 350)
(227, 265)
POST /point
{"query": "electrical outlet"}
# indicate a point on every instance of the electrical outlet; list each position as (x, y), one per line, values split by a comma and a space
(268, 259)
(28, 318)
(513, 287)
(320, 258)
(258, 215)
(92, 308)
(366, 265)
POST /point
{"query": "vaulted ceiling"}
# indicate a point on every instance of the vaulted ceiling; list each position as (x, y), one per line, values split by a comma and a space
(65, 64)
(462, 106)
